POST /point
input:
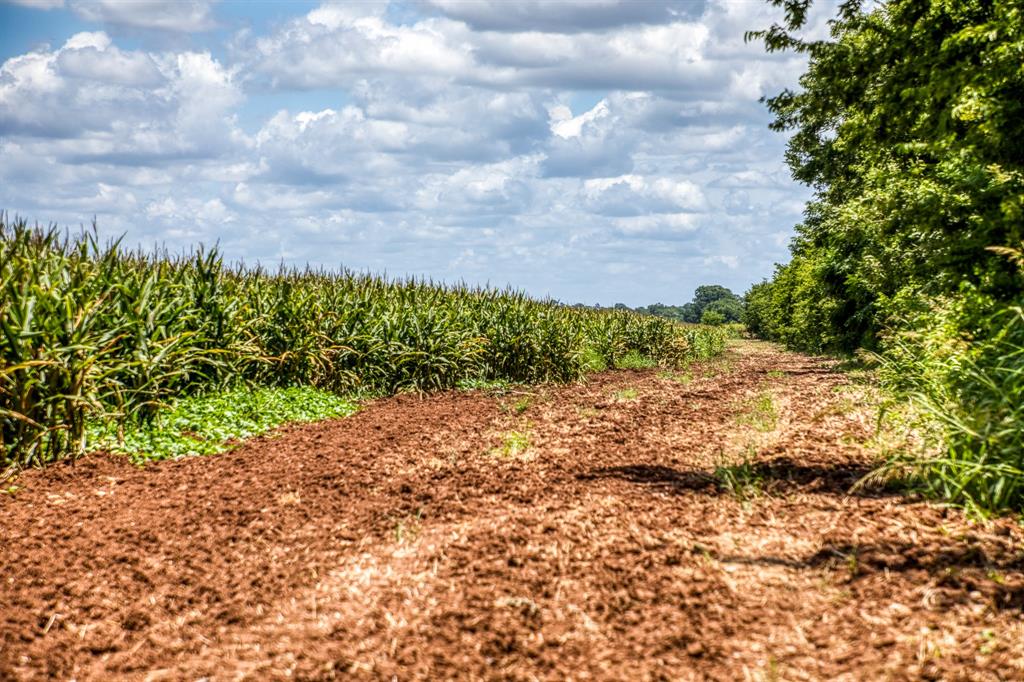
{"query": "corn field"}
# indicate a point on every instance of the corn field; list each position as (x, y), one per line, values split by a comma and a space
(93, 332)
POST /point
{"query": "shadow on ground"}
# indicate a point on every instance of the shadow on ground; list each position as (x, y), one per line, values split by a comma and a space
(957, 570)
(956, 565)
(777, 476)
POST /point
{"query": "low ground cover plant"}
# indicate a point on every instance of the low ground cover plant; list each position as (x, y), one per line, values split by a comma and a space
(90, 332)
(210, 424)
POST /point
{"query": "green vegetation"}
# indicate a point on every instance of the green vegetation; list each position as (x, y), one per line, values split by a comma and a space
(759, 412)
(513, 444)
(634, 360)
(626, 394)
(682, 377)
(743, 480)
(712, 304)
(908, 126)
(519, 405)
(91, 334)
(208, 424)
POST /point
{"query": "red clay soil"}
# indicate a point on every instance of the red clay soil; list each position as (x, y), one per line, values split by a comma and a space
(570, 532)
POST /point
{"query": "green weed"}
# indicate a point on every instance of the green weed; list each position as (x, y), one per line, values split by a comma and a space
(634, 360)
(489, 386)
(593, 360)
(760, 412)
(513, 444)
(989, 642)
(209, 424)
(744, 480)
(518, 406)
(684, 377)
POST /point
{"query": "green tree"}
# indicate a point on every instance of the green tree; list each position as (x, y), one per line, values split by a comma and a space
(713, 297)
(909, 125)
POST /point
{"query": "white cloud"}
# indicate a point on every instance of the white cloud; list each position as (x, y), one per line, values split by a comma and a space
(683, 50)
(565, 16)
(563, 147)
(335, 15)
(109, 65)
(38, 4)
(164, 15)
(673, 224)
(565, 125)
(96, 39)
(120, 107)
(729, 261)
(329, 48)
(630, 195)
(190, 210)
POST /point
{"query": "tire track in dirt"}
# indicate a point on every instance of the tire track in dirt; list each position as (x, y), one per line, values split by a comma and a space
(410, 540)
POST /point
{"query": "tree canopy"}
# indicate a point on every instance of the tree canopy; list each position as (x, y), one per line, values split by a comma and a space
(909, 125)
(724, 305)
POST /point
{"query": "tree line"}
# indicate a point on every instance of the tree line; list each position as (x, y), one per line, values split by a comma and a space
(712, 304)
(909, 126)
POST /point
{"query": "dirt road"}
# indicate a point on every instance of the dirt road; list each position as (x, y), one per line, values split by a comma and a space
(641, 526)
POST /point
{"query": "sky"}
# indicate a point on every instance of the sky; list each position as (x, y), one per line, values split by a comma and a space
(594, 151)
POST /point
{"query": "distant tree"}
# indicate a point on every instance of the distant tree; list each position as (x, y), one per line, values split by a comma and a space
(713, 298)
(709, 293)
(730, 308)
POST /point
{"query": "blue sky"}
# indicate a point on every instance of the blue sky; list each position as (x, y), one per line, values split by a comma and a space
(590, 150)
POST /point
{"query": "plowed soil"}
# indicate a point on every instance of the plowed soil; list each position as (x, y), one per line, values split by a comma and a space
(638, 526)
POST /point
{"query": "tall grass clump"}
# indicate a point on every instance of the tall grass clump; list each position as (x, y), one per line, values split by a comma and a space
(962, 366)
(92, 332)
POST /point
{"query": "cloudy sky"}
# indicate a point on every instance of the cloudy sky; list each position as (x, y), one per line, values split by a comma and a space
(595, 151)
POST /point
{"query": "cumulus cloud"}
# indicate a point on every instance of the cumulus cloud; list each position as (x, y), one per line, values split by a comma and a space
(164, 15)
(101, 63)
(591, 150)
(632, 195)
(561, 17)
(332, 49)
(329, 47)
(38, 4)
(670, 226)
(121, 107)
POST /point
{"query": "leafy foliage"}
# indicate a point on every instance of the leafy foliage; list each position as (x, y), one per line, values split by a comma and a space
(972, 390)
(209, 424)
(726, 306)
(634, 360)
(909, 125)
(89, 332)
